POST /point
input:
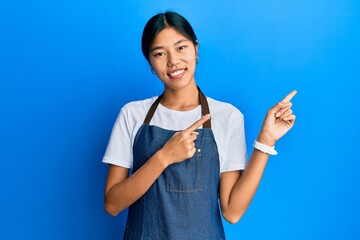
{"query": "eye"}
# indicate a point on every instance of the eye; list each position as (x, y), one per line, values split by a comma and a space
(182, 48)
(159, 54)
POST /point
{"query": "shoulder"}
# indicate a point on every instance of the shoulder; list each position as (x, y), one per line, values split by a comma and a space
(226, 118)
(133, 113)
(139, 105)
(223, 109)
(137, 109)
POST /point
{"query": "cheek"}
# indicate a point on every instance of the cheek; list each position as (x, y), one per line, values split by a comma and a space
(157, 63)
(189, 57)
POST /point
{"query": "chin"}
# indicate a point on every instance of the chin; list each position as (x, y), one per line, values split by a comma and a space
(178, 85)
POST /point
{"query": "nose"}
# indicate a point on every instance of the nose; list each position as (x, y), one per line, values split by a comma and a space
(173, 59)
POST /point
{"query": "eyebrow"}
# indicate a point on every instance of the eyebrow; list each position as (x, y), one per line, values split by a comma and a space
(161, 47)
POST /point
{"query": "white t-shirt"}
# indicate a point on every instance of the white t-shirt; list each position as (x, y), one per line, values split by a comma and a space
(227, 124)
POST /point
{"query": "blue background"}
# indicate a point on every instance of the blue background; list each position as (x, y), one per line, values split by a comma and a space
(67, 67)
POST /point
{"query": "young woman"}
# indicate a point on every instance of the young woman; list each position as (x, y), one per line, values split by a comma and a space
(183, 161)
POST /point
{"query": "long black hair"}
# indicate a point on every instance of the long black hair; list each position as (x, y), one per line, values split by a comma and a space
(161, 21)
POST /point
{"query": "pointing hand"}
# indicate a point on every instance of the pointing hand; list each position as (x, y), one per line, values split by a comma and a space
(181, 145)
(278, 121)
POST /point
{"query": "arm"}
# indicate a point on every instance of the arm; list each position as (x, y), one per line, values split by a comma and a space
(236, 189)
(121, 191)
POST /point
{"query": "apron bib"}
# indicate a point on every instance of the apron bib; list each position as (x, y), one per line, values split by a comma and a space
(182, 204)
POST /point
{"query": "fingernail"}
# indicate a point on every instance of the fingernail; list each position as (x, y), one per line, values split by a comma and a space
(207, 116)
(277, 114)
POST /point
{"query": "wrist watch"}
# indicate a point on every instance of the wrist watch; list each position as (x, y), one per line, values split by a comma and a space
(264, 148)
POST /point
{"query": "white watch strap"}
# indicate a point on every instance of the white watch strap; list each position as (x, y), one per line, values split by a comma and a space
(265, 148)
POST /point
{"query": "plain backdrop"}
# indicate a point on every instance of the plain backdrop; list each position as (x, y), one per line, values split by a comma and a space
(67, 67)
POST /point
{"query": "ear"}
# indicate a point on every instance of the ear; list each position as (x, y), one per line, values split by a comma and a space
(196, 48)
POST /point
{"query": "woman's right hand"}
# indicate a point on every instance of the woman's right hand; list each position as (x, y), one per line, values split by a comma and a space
(181, 145)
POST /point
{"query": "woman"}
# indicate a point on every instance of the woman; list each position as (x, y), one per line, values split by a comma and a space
(182, 163)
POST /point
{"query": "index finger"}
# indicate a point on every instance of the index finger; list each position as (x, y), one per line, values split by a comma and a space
(197, 124)
(289, 97)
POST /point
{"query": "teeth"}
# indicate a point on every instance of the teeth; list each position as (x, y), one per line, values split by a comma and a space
(176, 73)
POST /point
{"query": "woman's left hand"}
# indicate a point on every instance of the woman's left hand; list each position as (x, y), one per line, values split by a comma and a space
(278, 121)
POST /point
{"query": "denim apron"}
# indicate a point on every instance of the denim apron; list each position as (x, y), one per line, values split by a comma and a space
(183, 202)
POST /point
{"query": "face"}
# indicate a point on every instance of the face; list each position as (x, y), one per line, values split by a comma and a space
(173, 58)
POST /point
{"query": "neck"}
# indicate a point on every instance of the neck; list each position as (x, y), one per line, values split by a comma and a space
(183, 99)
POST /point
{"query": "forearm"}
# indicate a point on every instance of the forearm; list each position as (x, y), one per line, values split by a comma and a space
(123, 194)
(246, 186)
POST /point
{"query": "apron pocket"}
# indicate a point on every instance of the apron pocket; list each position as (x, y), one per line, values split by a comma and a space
(186, 176)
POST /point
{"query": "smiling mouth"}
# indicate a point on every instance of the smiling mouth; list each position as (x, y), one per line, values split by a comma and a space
(177, 74)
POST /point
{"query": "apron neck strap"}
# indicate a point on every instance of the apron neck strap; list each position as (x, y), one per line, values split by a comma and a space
(203, 102)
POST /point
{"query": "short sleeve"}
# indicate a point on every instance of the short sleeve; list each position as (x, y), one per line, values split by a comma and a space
(236, 153)
(119, 148)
